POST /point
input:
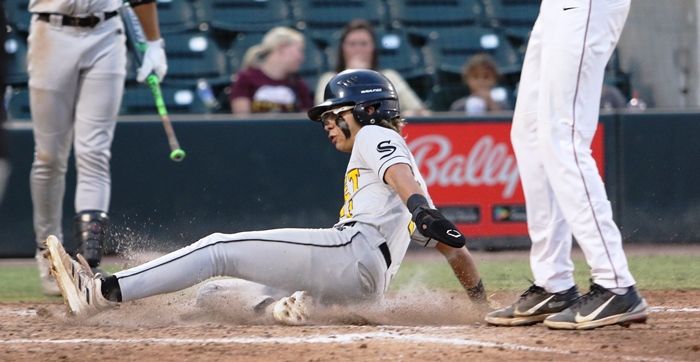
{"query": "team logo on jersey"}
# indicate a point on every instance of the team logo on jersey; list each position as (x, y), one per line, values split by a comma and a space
(386, 147)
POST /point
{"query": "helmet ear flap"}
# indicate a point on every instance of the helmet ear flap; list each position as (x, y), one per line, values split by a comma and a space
(363, 117)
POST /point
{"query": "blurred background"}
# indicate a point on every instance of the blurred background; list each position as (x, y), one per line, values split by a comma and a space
(426, 41)
(264, 171)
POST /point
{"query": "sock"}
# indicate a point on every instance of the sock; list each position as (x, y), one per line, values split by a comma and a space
(477, 293)
(619, 291)
(111, 290)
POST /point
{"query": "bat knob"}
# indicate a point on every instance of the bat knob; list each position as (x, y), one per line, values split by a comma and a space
(177, 155)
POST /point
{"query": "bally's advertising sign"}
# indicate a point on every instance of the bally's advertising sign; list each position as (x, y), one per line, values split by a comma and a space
(472, 174)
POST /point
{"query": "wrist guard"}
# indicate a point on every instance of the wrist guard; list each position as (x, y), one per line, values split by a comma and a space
(431, 223)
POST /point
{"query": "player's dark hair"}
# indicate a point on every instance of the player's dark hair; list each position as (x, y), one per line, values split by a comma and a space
(350, 27)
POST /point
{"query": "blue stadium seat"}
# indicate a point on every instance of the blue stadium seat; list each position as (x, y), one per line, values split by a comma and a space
(18, 17)
(424, 16)
(321, 19)
(16, 48)
(245, 15)
(176, 16)
(450, 49)
(514, 18)
(192, 56)
(18, 107)
(138, 100)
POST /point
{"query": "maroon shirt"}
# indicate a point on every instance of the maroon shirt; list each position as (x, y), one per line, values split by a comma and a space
(271, 95)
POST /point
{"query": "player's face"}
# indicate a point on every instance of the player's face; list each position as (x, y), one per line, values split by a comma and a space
(341, 127)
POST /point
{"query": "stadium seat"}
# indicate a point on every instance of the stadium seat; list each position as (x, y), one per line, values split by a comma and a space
(18, 106)
(192, 56)
(138, 100)
(16, 48)
(443, 95)
(176, 16)
(245, 15)
(321, 19)
(18, 17)
(450, 49)
(514, 18)
(424, 16)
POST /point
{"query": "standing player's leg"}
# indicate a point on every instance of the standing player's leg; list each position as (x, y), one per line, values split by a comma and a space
(551, 239)
(97, 107)
(591, 33)
(53, 83)
(582, 40)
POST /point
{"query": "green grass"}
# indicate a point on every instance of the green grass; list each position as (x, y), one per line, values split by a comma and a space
(21, 284)
(651, 272)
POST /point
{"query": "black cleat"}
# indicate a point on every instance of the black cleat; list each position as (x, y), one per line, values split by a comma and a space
(601, 307)
(533, 307)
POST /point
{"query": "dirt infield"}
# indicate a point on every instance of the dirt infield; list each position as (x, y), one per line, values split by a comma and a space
(163, 329)
(416, 326)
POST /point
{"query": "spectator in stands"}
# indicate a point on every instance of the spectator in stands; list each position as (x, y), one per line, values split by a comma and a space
(267, 81)
(357, 50)
(480, 74)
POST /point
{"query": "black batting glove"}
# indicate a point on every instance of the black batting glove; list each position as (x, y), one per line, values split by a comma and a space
(431, 223)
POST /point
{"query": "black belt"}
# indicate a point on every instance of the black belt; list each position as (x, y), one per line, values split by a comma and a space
(383, 247)
(84, 22)
(385, 252)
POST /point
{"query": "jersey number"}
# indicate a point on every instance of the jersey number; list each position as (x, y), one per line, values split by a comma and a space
(351, 186)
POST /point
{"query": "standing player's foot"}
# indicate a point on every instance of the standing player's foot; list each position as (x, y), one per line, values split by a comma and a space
(293, 310)
(600, 307)
(80, 289)
(533, 307)
(48, 283)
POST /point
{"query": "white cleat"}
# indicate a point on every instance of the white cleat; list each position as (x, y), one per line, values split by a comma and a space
(294, 310)
(80, 289)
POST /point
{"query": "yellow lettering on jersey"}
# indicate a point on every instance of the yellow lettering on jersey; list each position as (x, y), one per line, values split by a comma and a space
(352, 184)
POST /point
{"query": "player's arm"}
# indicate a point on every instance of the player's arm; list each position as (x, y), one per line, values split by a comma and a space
(429, 221)
(465, 270)
(154, 57)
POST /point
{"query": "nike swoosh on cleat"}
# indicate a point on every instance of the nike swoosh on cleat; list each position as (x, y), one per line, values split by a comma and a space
(569, 8)
(581, 319)
(535, 308)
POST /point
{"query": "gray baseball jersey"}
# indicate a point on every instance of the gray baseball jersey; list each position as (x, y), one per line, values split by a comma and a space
(352, 261)
(76, 81)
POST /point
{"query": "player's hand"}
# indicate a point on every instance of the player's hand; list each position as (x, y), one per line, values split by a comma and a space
(153, 61)
(431, 223)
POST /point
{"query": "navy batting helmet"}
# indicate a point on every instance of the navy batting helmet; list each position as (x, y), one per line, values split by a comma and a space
(361, 88)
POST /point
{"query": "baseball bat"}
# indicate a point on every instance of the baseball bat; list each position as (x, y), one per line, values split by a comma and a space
(136, 41)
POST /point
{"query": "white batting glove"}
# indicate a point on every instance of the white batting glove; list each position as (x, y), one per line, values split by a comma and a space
(153, 61)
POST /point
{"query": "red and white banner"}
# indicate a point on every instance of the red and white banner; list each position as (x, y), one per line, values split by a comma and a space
(472, 175)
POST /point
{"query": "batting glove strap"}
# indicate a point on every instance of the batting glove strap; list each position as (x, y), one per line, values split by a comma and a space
(154, 60)
(431, 223)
